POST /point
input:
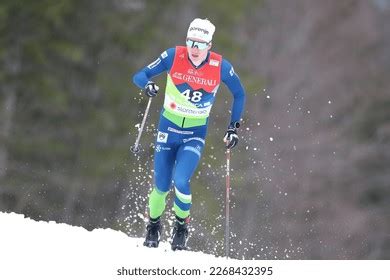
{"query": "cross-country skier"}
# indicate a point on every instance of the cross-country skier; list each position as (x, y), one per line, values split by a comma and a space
(194, 74)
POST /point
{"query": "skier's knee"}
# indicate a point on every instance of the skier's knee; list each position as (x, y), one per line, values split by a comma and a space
(162, 183)
(181, 183)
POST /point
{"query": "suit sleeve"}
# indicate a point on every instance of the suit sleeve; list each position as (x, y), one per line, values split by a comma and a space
(232, 81)
(161, 64)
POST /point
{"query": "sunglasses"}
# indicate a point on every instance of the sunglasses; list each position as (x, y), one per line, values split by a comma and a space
(196, 44)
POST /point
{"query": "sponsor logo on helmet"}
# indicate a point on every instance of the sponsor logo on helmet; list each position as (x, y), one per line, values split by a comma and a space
(199, 29)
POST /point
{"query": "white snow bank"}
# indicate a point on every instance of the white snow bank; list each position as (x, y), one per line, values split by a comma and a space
(41, 250)
(29, 249)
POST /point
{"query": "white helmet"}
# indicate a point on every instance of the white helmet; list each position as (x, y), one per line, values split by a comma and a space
(201, 29)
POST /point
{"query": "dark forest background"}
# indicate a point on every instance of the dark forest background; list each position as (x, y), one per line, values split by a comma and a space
(311, 174)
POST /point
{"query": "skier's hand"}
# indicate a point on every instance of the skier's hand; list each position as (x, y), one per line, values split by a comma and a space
(231, 137)
(151, 89)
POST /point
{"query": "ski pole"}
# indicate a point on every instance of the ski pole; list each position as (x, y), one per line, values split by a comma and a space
(227, 202)
(135, 148)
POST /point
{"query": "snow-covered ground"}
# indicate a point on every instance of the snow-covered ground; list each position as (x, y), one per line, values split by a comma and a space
(47, 250)
(59, 250)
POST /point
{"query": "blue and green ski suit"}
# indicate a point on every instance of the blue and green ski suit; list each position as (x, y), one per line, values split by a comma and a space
(189, 95)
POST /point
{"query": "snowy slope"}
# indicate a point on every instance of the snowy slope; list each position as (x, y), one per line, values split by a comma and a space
(41, 250)
(48, 250)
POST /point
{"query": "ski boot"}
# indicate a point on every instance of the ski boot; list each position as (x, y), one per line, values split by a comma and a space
(153, 233)
(180, 234)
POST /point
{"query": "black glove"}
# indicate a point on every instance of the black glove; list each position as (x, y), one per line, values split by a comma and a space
(151, 89)
(231, 137)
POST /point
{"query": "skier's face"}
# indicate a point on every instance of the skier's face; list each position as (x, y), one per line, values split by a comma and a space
(197, 50)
